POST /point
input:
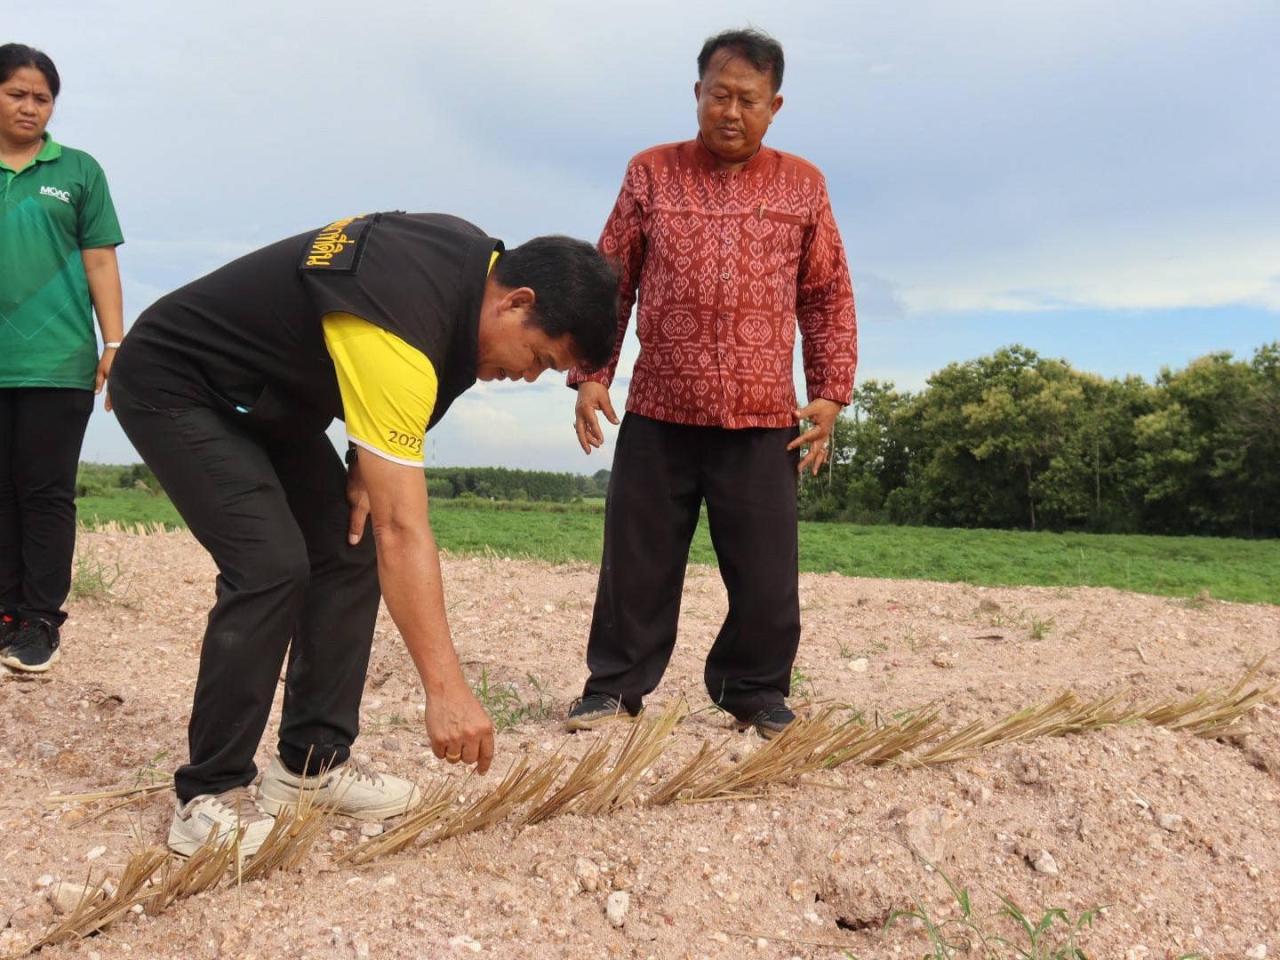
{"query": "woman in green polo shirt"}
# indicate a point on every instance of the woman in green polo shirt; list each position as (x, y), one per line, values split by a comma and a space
(58, 234)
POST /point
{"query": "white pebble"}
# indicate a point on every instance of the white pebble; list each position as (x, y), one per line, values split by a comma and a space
(1044, 863)
(66, 896)
(1257, 953)
(95, 853)
(616, 907)
(588, 875)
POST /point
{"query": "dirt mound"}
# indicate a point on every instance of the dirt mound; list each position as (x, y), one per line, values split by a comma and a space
(1171, 834)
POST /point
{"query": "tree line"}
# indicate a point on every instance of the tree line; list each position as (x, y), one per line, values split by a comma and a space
(485, 483)
(500, 483)
(1016, 440)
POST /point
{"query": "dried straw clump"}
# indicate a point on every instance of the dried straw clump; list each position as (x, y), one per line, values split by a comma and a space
(680, 783)
(141, 528)
(522, 784)
(1214, 717)
(875, 746)
(154, 879)
(100, 906)
(1065, 714)
(585, 776)
(201, 871)
(122, 797)
(435, 809)
(290, 839)
(641, 749)
(787, 756)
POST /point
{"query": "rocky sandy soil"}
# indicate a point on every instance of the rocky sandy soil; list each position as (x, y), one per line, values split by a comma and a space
(1178, 838)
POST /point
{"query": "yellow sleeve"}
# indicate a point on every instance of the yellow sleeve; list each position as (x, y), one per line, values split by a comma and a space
(388, 388)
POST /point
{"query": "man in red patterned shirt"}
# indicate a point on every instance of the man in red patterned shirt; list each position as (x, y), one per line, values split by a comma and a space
(728, 246)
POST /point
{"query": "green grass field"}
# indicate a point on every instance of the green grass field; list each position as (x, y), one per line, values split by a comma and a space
(1242, 570)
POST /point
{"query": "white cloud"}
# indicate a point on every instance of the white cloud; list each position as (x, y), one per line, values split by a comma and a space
(981, 156)
(1171, 270)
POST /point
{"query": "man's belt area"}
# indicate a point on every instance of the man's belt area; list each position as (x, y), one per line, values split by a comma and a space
(279, 418)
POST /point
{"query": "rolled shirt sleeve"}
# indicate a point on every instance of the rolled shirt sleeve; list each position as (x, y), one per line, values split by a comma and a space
(388, 388)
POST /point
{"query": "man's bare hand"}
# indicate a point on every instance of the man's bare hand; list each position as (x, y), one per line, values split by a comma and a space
(822, 416)
(593, 398)
(358, 501)
(459, 728)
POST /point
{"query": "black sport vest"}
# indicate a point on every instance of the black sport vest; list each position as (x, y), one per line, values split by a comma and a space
(248, 338)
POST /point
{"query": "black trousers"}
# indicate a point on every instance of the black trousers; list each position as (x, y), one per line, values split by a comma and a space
(41, 430)
(662, 473)
(274, 517)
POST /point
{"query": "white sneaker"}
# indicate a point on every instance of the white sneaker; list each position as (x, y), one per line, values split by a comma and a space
(195, 821)
(349, 790)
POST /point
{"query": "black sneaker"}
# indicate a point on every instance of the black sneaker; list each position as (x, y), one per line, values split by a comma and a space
(8, 628)
(33, 648)
(770, 721)
(594, 710)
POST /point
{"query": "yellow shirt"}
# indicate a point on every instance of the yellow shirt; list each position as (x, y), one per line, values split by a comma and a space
(388, 387)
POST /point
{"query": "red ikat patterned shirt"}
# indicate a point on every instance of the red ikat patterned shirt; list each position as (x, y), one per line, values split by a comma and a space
(725, 265)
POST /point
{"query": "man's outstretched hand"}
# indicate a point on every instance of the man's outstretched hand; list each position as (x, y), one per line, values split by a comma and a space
(459, 728)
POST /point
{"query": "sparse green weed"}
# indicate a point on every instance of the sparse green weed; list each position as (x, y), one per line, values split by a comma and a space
(1054, 936)
(802, 685)
(94, 580)
(848, 652)
(506, 706)
(1040, 627)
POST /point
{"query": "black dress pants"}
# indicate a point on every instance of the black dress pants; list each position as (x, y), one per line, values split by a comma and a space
(662, 473)
(274, 517)
(41, 430)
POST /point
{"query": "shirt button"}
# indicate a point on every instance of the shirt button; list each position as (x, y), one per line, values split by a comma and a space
(725, 275)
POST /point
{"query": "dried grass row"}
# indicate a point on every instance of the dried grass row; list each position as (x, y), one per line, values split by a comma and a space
(141, 528)
(594, 786)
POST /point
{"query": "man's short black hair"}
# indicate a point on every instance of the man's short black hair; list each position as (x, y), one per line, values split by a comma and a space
(15, 56)
(755, 46)
(575, 289)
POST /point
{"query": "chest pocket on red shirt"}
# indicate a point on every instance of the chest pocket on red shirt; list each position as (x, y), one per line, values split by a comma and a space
(773, 242)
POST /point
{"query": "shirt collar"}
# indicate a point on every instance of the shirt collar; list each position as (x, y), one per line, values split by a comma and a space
(51, 150)
(711, 162)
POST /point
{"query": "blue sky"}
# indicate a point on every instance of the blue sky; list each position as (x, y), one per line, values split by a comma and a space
(1094, 180)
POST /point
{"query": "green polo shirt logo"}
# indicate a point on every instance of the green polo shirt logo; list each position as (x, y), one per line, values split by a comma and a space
(50, 210)
(57, 194)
